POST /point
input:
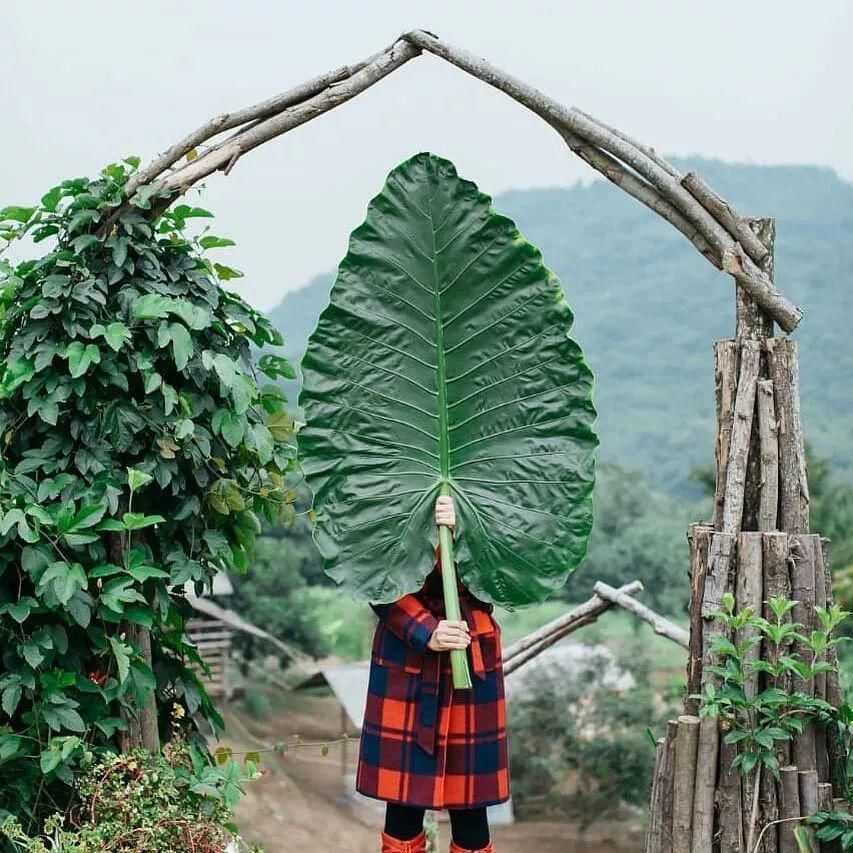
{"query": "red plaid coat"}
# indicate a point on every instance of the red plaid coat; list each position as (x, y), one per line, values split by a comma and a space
(424, 743)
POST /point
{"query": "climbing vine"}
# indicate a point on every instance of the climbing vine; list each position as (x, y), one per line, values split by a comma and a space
(142, 437)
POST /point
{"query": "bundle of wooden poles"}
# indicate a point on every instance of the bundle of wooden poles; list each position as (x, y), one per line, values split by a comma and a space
(757, 548)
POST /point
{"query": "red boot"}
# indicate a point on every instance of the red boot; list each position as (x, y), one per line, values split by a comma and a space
(394, 845)
(455, 848)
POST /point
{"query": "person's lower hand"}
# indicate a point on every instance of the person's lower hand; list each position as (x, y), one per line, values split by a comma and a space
(450, 634)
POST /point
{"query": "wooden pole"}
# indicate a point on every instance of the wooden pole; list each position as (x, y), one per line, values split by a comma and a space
(726, 367)
(836, 746)
(142, 724)
(739, 227)
(754, 324)
(699, 538)
(728, 798)
(825, 804)
(821, 755)
(728, 794)
(653, 831)
(706, 782)
(659, 833)
(789, 808)
(660, 624)
(748, 594)
(777, 584)
(751, 320)
(793, 484)
(809, 800)
(802, 590)
(736, 468)
(768, 511)
(667, 790)
(768, 813)
(537, 641)
(686, 747)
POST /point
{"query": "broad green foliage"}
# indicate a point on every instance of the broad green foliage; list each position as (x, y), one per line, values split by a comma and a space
(444, 358)
(137, 452)
(757, 721)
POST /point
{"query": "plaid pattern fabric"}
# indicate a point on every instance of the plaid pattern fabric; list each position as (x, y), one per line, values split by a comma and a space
(423, 743)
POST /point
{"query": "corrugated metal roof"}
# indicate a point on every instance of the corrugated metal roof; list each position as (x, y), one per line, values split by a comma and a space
(349, 684)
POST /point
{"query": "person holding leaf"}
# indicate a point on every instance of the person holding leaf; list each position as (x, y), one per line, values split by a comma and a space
(443, 365)
(425, 745)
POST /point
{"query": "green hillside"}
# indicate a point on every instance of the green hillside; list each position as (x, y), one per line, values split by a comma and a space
(648, 308)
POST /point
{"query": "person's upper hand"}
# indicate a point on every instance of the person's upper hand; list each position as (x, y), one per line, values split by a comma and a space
(445, 512)
(448, 635)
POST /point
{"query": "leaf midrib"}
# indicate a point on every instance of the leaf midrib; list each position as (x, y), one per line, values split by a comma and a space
(441, 367)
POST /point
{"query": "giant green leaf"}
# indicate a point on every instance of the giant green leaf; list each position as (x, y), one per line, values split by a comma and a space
(444, 358)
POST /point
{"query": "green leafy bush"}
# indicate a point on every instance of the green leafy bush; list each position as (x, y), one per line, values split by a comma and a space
(135, 803)
(137, 451)
(757, 722)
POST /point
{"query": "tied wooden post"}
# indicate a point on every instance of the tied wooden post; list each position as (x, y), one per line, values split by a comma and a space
(758, 548)
(699, 539)
(686, 747)
(659, 834)
(802, 569)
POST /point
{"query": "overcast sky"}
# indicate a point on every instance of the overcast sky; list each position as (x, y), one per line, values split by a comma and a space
(85, 83)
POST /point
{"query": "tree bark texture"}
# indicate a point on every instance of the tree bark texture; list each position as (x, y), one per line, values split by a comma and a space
(793, 485)
(809, 801)
(706, 784)
(802, 568)
(768, 442)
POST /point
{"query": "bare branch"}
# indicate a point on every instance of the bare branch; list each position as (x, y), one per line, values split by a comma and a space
(333, 96)
(660, 624)
(641, 190)
(528, 647)
(228, 121)
(726, 215)
(637, 169)
(665, 180)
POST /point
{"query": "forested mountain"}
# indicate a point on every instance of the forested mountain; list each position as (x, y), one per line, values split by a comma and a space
(648, 308)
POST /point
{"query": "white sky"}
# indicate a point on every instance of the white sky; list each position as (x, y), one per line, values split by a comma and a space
(85, 83)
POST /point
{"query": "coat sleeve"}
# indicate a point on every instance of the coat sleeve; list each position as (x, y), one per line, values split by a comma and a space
(409, 620)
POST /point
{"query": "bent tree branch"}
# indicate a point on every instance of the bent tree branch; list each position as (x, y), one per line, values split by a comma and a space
(714, 228)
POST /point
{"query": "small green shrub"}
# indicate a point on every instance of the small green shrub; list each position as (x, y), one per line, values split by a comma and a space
(756, 723)
(137, 803)
(828, 826)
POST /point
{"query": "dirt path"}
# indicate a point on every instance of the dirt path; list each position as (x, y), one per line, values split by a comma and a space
(299, 802)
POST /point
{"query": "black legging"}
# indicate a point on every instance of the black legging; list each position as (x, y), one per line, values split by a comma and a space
(470, 827)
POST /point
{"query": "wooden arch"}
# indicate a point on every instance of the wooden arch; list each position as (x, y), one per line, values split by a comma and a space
(722, 236)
